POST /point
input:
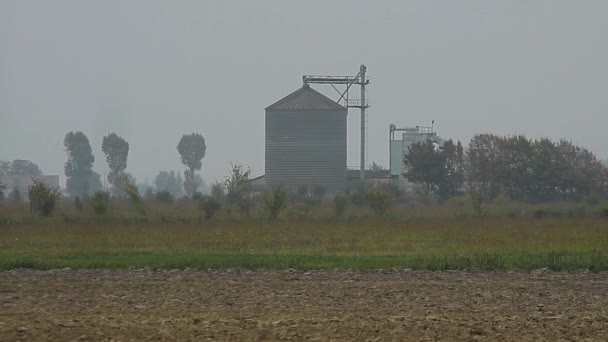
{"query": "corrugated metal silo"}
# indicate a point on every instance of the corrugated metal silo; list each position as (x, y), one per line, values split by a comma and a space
(306, 141)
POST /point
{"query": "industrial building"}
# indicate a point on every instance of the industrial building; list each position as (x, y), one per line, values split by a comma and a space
(306, 141)
(399, 147)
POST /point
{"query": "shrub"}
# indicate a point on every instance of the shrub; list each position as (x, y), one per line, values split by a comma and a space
(217, 192)
(2, 190)
(540, 213)
(43, 198)
(78, 203)
(477, 203)
(274, 202)
(359, 199)
(459, 201)
(15, 195)
(209, 206)
(300, 213)
(133, 193)
(423, 194)
(309, 201)
(380, 201)
(318, 193)
(340, 204)
(164, 196)
(99, 202)
(358, 194)
(302, 192)
(593, 199)
(149, 194)
(581, 211)
(239, 190)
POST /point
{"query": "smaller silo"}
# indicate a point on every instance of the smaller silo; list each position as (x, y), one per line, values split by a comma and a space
(306, 141)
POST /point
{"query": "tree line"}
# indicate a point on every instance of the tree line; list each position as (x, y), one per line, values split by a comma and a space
(19, 167)
(488, 168)
(515, 167)
(82, 180)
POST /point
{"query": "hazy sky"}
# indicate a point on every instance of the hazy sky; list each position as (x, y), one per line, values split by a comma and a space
(153, 70)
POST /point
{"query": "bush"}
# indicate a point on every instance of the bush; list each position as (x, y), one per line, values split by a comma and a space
(340, 204)
(43, 198)
(209, 206)
(15, 195)
(149, 194)
(239, 190)
(275, 202)
(581, 211)
(358, 194)
(2, 190)
(540, 213)
(164, 196)
(133, 193)
(380, 201)
(302, 192)
(217, 192)
(424, 195)
(593, 199)
(477, 203)
(78, 203)
(459, 201)
(99, 202)
(318, 193)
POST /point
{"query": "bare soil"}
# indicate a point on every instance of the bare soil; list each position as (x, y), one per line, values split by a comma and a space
(232, 305)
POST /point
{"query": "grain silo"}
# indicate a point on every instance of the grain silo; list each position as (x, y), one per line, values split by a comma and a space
(306, 141)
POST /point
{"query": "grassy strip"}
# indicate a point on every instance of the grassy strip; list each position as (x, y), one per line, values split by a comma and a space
(437, 244)
(556, 261)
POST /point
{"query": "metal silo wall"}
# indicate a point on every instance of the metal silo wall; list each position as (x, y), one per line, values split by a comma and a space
(306, 147)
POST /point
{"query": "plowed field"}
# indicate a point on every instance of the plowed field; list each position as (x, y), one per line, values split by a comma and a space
(295, 305)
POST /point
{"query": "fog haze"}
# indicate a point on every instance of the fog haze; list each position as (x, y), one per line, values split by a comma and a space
(154, 70)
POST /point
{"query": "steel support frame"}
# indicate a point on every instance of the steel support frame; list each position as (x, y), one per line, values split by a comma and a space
(359, 79)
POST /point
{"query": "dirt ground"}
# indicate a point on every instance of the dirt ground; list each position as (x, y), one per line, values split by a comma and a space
(232, 305)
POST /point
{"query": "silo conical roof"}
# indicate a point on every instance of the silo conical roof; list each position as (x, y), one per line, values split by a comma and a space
(306, 98)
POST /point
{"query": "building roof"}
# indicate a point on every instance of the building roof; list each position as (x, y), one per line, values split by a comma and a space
(306, 98)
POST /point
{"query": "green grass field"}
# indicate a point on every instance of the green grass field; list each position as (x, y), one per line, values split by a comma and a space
(434, 243)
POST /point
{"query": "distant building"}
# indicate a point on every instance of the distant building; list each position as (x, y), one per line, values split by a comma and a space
(399, 147)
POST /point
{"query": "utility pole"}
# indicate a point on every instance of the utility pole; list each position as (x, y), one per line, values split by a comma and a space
(362, 71)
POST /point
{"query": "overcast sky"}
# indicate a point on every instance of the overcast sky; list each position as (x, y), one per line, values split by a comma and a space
(153, 70)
